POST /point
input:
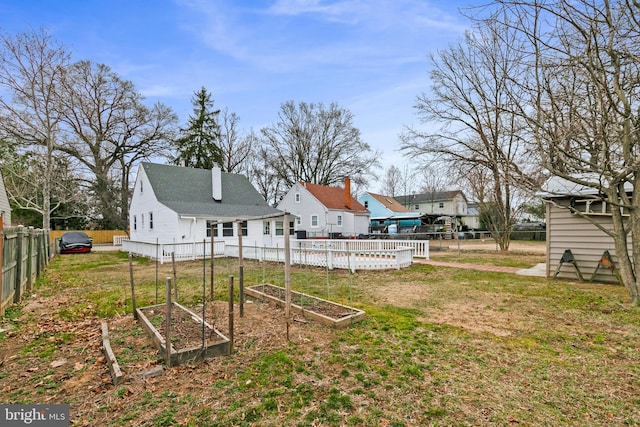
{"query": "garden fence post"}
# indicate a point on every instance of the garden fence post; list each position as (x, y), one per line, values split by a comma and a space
(30, 233)
(167, 320)
(230, 314)
(241, 269)
(1, 264)
(18, 282)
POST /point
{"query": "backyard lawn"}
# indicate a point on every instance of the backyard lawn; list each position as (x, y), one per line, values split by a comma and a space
(439, 346)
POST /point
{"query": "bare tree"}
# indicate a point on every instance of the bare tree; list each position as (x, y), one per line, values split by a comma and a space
(265, 178)
(236, 148)
(471, 100)
(583, 108)
(28, 176)
(108, 130)
(392, 181)
(317, 144)
(31, 68)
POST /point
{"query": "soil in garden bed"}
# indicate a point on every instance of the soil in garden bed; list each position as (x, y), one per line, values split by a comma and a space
(327, 308)
(186, 332)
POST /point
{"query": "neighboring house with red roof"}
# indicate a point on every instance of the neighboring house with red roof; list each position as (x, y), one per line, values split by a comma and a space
(323, 211)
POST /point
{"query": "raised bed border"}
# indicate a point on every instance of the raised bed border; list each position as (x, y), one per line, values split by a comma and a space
(116, 373)
(343, 322)
(189, 354)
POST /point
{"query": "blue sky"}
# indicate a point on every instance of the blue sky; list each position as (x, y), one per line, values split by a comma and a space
(369, 56)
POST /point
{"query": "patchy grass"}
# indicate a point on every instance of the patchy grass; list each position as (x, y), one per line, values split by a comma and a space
(439, 346)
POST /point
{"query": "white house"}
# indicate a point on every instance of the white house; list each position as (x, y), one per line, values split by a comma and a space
(323, 211)
(5, 208)
(445, 203)
(174, 204)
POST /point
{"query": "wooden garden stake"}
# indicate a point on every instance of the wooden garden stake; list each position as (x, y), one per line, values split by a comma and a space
(213, 226)
(241, 268)
(133, 291)
(167, 320)
(287, 273)
(230, 314)
(175, 276)
(157, 256)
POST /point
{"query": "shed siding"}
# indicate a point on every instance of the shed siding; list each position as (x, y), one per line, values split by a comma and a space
(5, 209)
(586, 242)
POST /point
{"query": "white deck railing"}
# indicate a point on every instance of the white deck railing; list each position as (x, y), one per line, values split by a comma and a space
(117, 240)
(181, 251)
(346, 254)
(420, 247)
(397, 258)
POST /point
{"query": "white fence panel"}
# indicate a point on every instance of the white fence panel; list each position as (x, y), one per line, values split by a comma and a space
(352, 255)
(420, 247)
(181, 251)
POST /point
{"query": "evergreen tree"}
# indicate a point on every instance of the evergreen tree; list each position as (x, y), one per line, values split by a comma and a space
(199, 144)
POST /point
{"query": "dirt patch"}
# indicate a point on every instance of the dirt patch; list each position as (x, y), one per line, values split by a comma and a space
(477, 318)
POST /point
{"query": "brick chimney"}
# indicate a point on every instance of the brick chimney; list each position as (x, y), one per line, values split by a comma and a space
(347, 192)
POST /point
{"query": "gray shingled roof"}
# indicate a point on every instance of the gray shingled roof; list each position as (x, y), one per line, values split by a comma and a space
(436, 196)
(188, 191)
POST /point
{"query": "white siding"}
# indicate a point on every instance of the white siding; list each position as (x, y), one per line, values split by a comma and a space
(586, 242)
(307, 207)
(165, 221)
(354, 224)
(5, 209)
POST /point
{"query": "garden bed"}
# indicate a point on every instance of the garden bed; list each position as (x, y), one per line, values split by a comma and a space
(322, 310)
(187, 341)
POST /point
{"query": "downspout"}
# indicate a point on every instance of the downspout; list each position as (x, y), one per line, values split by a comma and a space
(194, 220)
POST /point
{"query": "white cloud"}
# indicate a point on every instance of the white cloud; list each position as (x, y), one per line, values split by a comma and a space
(291, 35)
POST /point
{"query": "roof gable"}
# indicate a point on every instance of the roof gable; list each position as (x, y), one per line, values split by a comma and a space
(389, 202)
(433, 196)
(333, 197)
(189, 191)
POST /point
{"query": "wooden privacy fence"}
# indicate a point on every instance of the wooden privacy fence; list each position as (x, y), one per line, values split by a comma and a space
(25, 253)
(98, 236)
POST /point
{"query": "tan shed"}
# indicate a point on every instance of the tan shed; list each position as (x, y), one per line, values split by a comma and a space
(572, 214)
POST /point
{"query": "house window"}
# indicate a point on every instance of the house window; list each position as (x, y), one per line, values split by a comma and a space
(314, 220)
(291, 231)
(213, 224)
(279, 228)
(150, 220)
(141, 186)
(441, 205)
(142, 221)
(135, 222)
(266, 228)
(339, 220)
(227, 229)
(245, 228)
(298, 220)
(366, 204)
(297, 197)
(416, 207)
